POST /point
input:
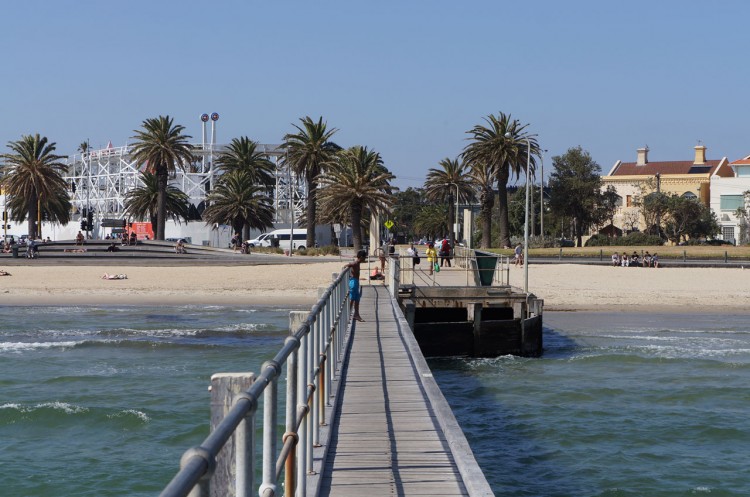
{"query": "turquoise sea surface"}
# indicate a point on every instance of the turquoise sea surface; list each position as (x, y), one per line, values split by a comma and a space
(103, 401)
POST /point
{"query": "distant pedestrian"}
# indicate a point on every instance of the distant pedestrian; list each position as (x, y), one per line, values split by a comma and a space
(445, 252)
(431, 255)
(380, 252)
(518, 255)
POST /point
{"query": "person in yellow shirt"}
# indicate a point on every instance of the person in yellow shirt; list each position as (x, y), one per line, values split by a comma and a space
(431, 256)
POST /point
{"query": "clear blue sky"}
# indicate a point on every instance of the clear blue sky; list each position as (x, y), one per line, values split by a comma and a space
(406, 78)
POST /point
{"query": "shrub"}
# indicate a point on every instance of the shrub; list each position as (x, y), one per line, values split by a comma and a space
(599, 241)
(325, 250)
(639, 238)
(636, 238)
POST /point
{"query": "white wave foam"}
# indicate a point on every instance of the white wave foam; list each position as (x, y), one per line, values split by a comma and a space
(131, 412)
(25, 346)
(60, 406)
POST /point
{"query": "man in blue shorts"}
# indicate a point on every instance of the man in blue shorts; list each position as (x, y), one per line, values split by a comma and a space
(354, 290)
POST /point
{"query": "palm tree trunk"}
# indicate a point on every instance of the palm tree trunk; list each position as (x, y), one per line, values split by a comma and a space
(357, 227)
(245, 232)
(487, 223)
(161, 204)
(503, 224)
(451, 221)
(312, 194)
(33, 207)
(487, 201)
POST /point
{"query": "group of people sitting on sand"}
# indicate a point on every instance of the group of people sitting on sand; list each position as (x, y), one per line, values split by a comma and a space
(635, 260)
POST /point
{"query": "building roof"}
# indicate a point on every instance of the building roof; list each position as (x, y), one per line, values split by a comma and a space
(741, 162)
(666, 167)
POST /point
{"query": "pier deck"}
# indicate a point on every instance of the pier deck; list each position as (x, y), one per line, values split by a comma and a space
(387, 438)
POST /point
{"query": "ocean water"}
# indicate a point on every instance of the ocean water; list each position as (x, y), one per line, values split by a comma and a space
(619, 405)
(103, 401)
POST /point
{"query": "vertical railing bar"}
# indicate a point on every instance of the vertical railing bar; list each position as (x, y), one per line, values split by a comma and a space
(245, 456)
(330, 338)
(316, 381)
(291, 421)
(302, 405)
(270, 416)
(310, 382)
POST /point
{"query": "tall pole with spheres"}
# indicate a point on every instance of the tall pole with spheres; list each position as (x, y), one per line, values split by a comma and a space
(204, 120)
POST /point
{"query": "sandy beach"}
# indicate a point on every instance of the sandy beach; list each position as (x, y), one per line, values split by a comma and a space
(185, 284)
(605, 288)
(564, 287)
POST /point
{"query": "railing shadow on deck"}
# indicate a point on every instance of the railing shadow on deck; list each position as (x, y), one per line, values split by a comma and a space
(312, 355)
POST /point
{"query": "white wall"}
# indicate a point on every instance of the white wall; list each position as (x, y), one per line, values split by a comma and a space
(727, 186)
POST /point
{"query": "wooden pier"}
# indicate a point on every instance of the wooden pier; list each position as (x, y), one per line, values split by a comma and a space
(394, 433)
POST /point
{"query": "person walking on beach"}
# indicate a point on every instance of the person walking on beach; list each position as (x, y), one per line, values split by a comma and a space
(354, 290)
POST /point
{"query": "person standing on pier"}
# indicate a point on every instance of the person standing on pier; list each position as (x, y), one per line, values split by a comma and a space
(354, 290)
(431, 257)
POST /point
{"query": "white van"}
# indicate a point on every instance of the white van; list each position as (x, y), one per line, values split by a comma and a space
(283, 237)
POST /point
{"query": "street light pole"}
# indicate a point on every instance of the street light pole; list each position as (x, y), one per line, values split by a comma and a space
(526, 217)
(526, 222)
(541, 199)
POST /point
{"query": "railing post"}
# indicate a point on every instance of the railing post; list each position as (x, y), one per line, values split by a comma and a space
(316, 381)
(311, 400)
(245, 456)
(292, 391)
(330, 337)
(270, 416)
(235, 463)
(302, 408)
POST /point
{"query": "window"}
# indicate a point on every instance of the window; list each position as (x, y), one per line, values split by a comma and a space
(732, 202)
(628, 201)
(727, 233)
(690, 195)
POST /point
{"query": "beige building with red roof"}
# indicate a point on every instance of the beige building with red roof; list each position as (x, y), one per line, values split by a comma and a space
(635, 180)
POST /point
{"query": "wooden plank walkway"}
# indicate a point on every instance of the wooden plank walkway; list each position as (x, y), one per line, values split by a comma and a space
(386, 439)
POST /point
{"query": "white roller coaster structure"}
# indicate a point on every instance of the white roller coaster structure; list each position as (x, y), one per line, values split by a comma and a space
(100, 179)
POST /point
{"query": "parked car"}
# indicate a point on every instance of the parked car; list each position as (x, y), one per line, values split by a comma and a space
(280, 238)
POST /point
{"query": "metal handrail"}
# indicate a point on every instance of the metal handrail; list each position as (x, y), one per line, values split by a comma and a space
(320, 335)
(466, 259)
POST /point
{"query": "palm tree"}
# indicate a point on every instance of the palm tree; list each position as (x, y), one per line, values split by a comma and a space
(83, 147)
(32, 178)
(447, 183)
(357, 181)
(482, 175)
(163, 148)
(502, 146)
(242, 155)
(308, 152)
(430, 220)
(237, 200)
(143, 202)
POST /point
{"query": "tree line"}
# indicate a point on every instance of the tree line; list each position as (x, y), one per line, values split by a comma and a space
(347, 185)
(352, 181)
